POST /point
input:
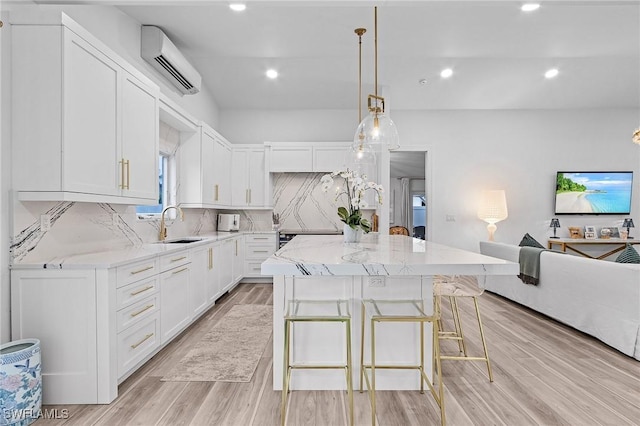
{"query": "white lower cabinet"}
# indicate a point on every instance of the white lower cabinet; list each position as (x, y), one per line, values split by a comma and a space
(257, 248)
(97, 326)
(175, 310)
(203, 279)
(227, 254)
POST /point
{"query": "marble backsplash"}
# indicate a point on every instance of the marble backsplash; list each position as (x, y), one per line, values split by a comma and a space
(90, 227)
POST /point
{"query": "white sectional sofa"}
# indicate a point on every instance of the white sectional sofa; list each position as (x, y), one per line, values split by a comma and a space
(598, 297)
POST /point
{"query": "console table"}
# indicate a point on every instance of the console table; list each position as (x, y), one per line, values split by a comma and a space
(571, 243)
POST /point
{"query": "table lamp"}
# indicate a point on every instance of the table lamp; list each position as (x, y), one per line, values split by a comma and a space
(628, 223)
(493, 209)
(555, 224)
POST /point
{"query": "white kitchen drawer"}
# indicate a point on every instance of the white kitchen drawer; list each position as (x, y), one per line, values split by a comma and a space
(259, 251)
(137, 342)
(136, 271)
(135, 292)
(174, 260)
(135, 313)
(260, 238)
(252, 268)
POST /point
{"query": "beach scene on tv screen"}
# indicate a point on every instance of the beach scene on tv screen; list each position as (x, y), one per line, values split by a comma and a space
(599, 192)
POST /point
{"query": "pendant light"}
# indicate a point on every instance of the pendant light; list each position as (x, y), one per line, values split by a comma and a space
(360, 156)
(377, 128)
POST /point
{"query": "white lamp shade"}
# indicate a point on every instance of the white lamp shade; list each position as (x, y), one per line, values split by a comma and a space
(385, 133)
(493, 207)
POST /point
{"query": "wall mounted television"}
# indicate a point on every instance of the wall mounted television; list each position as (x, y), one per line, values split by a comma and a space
(593, 193)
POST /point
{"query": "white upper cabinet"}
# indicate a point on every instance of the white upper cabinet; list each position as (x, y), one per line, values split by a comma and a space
(139, 138)
(248, 174)
(204, 170)
(306, 157)
(85, 126)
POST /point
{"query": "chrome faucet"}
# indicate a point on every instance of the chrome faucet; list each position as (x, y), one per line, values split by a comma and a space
(163, 227)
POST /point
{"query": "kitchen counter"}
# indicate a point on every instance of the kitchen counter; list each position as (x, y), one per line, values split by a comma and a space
(118, 257)
(323, 267)
(379, 254)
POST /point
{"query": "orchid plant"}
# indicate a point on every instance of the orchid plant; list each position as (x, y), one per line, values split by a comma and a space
(352, 190)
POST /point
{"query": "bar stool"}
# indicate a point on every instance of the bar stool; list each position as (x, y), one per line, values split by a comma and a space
(453, 287)
(315, 311)
(401, 311)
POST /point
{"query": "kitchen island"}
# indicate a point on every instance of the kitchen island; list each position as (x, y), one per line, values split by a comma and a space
(313, 267)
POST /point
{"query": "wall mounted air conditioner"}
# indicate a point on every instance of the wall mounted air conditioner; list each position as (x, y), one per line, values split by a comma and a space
(159, 51)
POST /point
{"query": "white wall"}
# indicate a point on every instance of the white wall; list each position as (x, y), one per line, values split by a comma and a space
(519, 151)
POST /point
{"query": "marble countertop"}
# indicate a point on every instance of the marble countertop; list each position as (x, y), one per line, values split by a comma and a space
(378, 254)
(117, 257)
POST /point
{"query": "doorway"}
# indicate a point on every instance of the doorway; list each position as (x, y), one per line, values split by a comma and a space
(408, 207)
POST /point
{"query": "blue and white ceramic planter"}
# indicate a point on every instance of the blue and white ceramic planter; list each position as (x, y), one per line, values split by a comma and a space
(20, 382)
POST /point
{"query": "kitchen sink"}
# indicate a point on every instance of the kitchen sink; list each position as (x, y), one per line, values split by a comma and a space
(182, 241)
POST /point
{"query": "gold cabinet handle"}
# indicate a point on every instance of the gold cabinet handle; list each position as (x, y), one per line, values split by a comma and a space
(142, 290)
(146, 308)
(179, 270)
(211, 258)
(216, 192)
(141, 270)
(260, 238)
(178, 259)
(236, 247)
(122, 185)
(144, 339)
(249, 195)
(128, 173)
(261, 251)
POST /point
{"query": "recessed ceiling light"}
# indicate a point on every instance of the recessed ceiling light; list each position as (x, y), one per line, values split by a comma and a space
(237, 7)
(446, 73)
(530, 7)
(272, 74)
(553, 72)
(423, 81)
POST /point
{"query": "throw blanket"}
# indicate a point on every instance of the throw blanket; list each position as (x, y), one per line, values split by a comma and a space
(530, 264)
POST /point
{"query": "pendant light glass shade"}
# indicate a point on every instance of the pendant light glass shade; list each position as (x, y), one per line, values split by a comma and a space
(377, 129)
(360, 157)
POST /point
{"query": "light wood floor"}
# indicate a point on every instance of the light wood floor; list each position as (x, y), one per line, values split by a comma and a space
(544, 374)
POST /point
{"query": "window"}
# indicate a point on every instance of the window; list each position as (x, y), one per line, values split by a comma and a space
(166, 163)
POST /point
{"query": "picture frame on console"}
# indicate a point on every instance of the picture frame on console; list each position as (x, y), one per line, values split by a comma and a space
(590, 233)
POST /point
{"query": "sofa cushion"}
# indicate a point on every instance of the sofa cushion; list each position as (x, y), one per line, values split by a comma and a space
(529, 241)
(628, 255)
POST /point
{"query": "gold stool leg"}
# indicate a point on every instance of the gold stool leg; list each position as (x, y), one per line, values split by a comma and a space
(457, 324)
(373, 373)
(361, 345)
(421, 356)
(484, 342)
(456, 319)
(285, 373)
(349, 373)
(438, 368)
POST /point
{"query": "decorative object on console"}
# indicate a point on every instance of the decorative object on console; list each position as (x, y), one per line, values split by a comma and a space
(628, 223)
(529, 241)
(590, 232)
(555, 223)
(376, 128)
(628, 255)
(636, 136)
(493, 209)
(575, 232)
(353, 188)
(605, 233)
